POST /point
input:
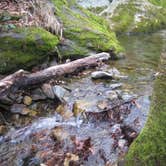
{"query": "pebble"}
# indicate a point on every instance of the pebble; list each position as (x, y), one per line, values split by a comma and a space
(27, 100)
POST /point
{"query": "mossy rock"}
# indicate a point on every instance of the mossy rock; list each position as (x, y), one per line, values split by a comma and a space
(24, 47)
(137, 16)
(158, 2)
(149, 149)
(86, 31)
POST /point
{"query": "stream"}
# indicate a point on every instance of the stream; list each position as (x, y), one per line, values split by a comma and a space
(96, 136)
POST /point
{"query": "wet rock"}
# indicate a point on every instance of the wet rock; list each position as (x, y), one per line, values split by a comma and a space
(64, 111)
(80, 106)
(48, 91)
(6, 100)
(3, 129)
(112, 74)
(59, 134)
(70, 157)
(102, 105)
(59, 92)
(116, 130)
(122, 143)
(38, 94)
(126, 96)
(20, 109)
(114, 71)
(115, 86)
(112, 95)
(101, 74)
(116, 74)
(27, 100)
(19, 99)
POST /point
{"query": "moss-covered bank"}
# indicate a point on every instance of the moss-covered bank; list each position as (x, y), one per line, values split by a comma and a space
(24, 47)
(139, 16)
(83, 30)
(149, 149)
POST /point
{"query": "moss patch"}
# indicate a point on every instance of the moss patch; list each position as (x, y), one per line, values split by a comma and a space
(88, 31)
(138, 17)
(24, 47)
(149, 148)
(158, 2)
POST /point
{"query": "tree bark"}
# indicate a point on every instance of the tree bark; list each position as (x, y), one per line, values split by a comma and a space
(23, 79)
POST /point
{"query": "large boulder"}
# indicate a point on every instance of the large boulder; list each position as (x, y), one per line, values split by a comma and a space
(24, 48)
(137, 16)
(132, 16)
(83, 30)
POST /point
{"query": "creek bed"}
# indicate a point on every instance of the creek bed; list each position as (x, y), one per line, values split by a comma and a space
(88, 139)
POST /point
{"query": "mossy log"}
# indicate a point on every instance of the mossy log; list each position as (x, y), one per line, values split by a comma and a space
(22, 79)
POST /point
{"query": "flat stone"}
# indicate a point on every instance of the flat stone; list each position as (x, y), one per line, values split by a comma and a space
(27, 100)
(48, 91)
(115, 86)
(101, 75)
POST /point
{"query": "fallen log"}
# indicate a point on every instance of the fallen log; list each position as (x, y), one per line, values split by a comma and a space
(23, 79)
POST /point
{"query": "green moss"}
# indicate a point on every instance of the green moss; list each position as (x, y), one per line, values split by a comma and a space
(89, 31)
(149, 149)
(158, 2)
(151, 19)
(124, 17)
(23, 48)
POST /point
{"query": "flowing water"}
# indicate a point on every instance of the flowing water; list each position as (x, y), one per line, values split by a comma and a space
(97, 139)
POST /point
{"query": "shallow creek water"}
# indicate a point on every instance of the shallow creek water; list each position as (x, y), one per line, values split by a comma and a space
(95, 142)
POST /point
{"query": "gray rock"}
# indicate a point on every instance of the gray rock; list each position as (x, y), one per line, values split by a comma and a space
(122, 143)
(116, 129)
(48, 91)
(6, 100)
(101, 74)
(59, 92)
(112, 95)
(115, 86)
(20, 109)
(126, 96)
(38, 94)
(114, 71)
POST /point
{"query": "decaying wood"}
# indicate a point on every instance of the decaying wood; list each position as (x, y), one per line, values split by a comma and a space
(23, 79)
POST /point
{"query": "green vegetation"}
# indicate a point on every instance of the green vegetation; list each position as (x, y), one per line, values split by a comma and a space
(149, 149)
(85, 30)
(124, 18)
(131, 17)
(24, 47)
(158, 2)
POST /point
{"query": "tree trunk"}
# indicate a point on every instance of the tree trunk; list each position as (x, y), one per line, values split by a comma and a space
(22, 79)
